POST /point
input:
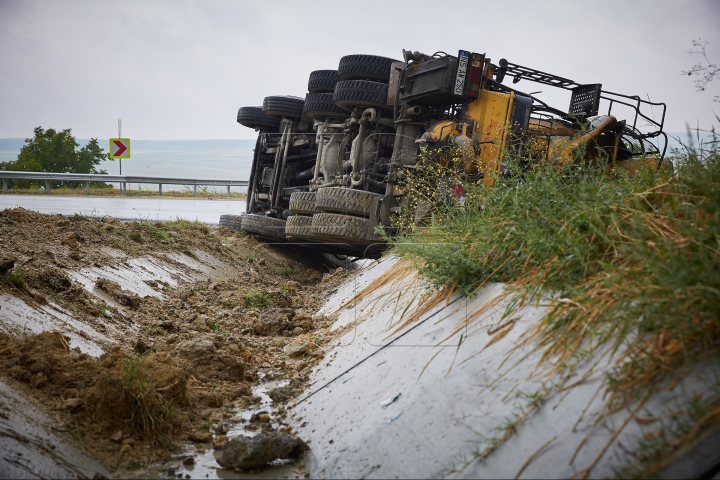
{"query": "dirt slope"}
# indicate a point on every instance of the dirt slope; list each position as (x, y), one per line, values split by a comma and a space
(178, 363)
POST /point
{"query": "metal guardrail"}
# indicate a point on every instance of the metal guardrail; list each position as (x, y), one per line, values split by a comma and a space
(122, 179)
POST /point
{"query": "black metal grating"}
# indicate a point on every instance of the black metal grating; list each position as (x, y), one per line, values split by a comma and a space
(585, 100)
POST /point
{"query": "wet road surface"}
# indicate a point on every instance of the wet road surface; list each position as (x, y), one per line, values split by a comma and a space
(155, 209)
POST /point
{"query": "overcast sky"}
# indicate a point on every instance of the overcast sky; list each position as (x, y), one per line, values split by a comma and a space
(181, 69)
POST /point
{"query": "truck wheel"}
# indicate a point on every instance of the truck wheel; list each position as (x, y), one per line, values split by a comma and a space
(283, 106)
(264, 226)
(303, 203)
(365, 67)
(322, 81)
(299, 227)
(233, 222)
(344, 228)
(319, 106)
(361, 93)
(347, 201)
(253, 117)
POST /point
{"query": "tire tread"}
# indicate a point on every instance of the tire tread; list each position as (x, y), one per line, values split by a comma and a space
(347, 201)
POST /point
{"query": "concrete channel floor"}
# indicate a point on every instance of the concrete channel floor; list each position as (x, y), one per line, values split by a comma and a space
(148, 209)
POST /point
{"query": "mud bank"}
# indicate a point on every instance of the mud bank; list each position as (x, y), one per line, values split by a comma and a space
(141, 349)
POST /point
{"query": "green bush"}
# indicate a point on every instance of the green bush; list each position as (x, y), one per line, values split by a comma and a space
(57, 151)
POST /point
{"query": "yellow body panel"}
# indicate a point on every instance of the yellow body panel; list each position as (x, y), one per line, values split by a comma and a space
(491, 113)
(442, 129)
(489, 116)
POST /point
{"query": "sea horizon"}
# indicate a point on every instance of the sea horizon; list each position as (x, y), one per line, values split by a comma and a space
(202, 158)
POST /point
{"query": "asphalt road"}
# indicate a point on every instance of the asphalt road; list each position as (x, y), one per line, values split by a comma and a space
(156, 209)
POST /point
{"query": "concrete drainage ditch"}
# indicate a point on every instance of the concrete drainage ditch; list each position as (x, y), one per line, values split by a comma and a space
(392, 380)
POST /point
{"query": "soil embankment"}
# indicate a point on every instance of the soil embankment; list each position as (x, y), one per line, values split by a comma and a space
(140, 343)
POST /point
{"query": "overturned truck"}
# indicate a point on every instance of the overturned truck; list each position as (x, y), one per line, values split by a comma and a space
(327, 169)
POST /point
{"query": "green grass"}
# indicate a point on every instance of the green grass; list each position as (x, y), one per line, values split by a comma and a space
(257, 300)
(217, 329)
(158, 233)
(78, 433)
(180, 224)
(618, 255)
(151, 329)
(629, 261)
(17, 278)
(149, 413)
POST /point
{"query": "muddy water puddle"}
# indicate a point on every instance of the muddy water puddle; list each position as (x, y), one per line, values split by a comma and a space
(204, 456)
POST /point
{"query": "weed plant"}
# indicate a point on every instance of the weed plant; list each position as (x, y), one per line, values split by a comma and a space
(149, 412)
(257, 300)
(17, 278)
(627, 260)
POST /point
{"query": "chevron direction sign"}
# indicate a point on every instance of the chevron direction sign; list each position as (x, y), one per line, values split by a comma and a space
(119, 148)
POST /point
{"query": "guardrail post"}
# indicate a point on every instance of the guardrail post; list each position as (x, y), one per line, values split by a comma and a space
(47, 186)
(195, 190)
(228, 191)
(87, 187)
(160, 189)
(4, 185)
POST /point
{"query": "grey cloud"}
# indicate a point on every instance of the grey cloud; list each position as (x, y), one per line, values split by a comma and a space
(181, 69)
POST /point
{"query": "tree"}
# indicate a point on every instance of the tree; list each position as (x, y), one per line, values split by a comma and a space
(53, 151)
(707, 72)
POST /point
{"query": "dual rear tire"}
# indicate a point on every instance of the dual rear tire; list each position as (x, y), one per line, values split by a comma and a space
(269, 227)
(331, 214)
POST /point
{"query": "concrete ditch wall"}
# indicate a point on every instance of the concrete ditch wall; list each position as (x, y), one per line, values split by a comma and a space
(424, 386)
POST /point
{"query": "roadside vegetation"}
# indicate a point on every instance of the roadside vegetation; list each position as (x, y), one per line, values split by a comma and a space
(626, 260)
(57, 152)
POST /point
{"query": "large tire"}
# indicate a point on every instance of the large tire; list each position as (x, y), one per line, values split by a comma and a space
(283, 106)
(253, 117)
(365, 67)
(343, 228)
(347, 201)
(361, 93)
(303, 203)
(233, 222)
(322, 81)
(299, 227)
(319, 106)
(264, 226)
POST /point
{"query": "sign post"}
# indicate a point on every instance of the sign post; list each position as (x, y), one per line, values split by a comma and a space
(120, 148)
